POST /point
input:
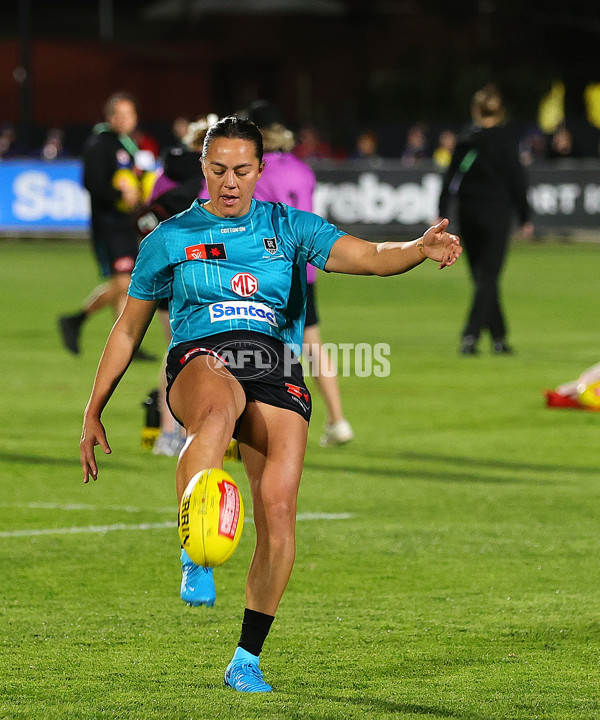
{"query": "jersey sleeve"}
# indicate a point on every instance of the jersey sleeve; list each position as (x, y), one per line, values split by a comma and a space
(315, 237)
(152, 276)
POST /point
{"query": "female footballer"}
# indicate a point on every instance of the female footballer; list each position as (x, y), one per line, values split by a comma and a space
(234, 270)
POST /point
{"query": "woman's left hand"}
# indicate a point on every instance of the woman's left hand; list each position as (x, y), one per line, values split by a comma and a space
(441, 246)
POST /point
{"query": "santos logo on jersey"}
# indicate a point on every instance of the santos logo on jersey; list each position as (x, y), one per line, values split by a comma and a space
(244, 284)
(242, 309)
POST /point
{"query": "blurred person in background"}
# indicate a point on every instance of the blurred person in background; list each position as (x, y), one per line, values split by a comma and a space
(180, 179)
(532, 147)
(561, 143)
(177, 185)
(489, 183)
(179, 130)
(54, 146)
(416, 148)
(112, 180)
(366, 149)
(442, 155)
(311, 146)
(289, 180)
(8, 141)
(146, 142)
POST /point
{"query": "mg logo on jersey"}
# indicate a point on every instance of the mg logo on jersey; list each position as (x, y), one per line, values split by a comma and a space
(244, 284)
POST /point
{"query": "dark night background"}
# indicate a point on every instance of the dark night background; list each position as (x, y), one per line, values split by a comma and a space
(343, 65)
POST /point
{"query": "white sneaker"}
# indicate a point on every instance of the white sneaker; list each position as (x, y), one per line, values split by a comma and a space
(337, 434)
(169, 444)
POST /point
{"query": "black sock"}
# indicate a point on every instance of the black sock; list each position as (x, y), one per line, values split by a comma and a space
(255, 628)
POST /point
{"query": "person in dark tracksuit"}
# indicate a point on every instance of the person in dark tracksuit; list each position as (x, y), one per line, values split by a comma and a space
(489, 183)
(110, 160)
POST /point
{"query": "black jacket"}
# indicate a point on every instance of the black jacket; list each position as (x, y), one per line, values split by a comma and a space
(103, 155)
(183, 167)
(485, 166)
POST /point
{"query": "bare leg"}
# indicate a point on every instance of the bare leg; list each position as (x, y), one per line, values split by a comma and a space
(272, 444)
(168, 424)
(325, 380)
(208, 403)
(112, 293)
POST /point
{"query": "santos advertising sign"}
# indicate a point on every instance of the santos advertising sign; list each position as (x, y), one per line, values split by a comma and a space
(42, 197)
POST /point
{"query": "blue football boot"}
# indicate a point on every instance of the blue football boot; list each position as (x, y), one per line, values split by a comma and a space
(244, 675)
(197, 584)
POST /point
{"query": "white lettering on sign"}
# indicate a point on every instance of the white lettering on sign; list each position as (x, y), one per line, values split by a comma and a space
(38, 196)
(591, 199)
(371, 200)
(559, 199)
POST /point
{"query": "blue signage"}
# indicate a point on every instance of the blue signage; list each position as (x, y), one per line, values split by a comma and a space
(41, 196)
(38, 196)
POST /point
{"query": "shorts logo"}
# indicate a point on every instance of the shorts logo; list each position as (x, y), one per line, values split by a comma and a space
(297, 391)
(270, 245)
(205, 351)
(242, 309)
(244, 284)
(214, 251)
(300, 395)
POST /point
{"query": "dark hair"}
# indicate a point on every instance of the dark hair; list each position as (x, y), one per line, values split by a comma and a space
(109, 105)
(234, 128)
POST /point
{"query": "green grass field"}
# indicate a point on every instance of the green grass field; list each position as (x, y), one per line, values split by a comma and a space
(463, 584)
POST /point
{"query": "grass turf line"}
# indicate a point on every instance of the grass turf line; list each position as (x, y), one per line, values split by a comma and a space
(463, 585)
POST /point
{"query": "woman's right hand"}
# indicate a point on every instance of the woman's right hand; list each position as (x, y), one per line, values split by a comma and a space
(93, 434)
(124, 339)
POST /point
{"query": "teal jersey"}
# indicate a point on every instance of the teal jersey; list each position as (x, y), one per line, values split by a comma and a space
(243, 273)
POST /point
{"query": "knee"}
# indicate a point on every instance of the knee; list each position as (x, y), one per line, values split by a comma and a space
(210, 416)
(280, 517)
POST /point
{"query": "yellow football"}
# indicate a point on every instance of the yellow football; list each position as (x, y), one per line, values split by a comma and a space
(211, 517)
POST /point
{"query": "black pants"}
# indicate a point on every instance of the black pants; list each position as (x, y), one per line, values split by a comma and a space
(485, 228)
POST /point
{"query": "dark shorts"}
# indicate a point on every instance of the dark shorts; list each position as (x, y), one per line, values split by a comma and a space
(266, 369)
(312, 318)
(115, 246)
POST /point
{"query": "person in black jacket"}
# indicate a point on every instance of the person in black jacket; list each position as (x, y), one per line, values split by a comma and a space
(489, 183)
(180, 181)
(111, 170)
(176, 187)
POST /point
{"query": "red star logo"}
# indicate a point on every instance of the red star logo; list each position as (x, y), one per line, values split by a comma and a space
(215, 252)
